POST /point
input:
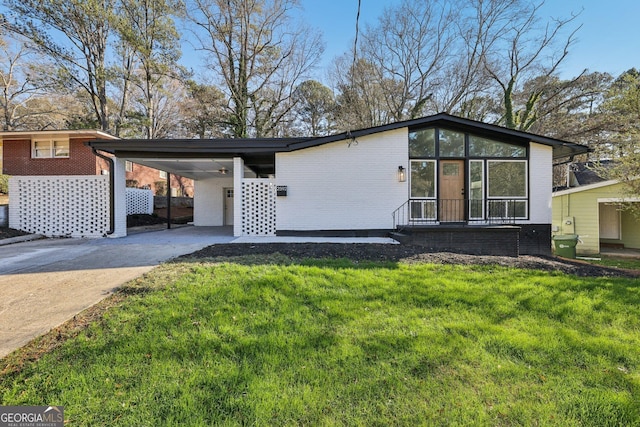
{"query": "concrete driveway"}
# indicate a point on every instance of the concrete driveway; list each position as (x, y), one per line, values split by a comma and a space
(44, 283)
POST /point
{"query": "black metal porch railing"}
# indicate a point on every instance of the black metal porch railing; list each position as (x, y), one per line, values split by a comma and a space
(418, 212)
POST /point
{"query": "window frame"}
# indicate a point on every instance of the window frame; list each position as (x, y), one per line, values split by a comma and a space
(489, 203)
(51, 148)
(435, 179)
(482, 163)
(472, 137)
(423, 208)
(507, 200)
(526, 178)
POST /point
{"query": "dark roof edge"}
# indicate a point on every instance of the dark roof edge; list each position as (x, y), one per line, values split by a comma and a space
(193, 145)
(441, 118)
(562, 148)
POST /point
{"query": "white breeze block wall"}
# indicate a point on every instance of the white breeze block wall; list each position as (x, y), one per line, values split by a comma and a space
(139, 201)
(60, 206)
(258, 207)
(338, 186)
(208, 201)
(540, 183)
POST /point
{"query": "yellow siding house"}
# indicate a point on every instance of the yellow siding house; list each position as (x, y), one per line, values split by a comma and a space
(594, 213)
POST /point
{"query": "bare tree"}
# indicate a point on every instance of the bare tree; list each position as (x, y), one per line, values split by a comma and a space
(18, 87)
(570, 109)
(519, 48)
(29, 98)
(150, 43)
(458, 55)
(364, 95)
(259, 54)
(411, 45)
(75, 34)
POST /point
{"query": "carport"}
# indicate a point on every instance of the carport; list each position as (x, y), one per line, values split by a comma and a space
(228, 174)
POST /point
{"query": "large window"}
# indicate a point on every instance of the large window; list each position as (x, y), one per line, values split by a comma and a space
(423, 188)
(422, 143)
(495, 174)
(507, 178)
(507, 188)
(50, 148)
(451, 143)
(423, 179)
(484, 147)
(476, 189)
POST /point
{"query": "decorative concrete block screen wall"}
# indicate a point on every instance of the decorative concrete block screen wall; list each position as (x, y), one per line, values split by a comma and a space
(60, 206)
(258, 207)
(139, 201)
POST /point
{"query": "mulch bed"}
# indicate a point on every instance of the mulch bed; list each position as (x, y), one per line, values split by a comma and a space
(6, 233)
(360, 252)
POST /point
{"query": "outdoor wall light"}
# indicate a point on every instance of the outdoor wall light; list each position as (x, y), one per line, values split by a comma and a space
(402, 174)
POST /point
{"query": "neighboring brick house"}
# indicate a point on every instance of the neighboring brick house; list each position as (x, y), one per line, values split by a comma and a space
(65, 153)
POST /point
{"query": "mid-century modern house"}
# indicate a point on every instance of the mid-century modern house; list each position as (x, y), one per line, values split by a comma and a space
(592, 207)
(443, 181)
(63, 152)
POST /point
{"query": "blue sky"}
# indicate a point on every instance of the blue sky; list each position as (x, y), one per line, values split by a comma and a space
(609, 40)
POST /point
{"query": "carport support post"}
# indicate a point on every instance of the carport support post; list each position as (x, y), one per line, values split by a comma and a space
(168, 201)
(120, 198)
(238, 176)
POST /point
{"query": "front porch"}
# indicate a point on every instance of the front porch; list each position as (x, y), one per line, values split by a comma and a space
(479, 212)
(476, 226)
(498, 240)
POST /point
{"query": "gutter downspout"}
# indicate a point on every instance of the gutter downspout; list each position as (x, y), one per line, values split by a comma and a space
(168, 200)
(112, 186)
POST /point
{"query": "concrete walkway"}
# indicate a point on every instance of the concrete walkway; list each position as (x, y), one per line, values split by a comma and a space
(44, 283)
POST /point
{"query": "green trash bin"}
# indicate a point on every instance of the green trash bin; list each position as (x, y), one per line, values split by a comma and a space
(566, 245)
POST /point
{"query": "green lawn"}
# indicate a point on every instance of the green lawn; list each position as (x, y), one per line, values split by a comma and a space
(618, 262)
(353, 344)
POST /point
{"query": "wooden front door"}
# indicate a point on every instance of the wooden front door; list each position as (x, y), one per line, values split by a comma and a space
(451, 200)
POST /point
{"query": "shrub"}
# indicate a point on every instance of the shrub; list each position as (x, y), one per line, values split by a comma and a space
(161, 188)
(4, 184)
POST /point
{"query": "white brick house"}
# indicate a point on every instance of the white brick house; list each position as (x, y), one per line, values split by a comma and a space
(434, 173)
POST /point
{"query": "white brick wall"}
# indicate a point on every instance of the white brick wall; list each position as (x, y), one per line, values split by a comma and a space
(60, 206)
(208, 201)
(342, 186)
(540, 184)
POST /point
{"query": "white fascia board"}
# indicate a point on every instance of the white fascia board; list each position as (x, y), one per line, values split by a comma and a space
(585, 187)
(619, 200)
(98, 134)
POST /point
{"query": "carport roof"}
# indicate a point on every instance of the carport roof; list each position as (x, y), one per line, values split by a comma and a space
(258, 153)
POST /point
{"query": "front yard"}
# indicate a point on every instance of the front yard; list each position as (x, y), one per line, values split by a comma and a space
(265, 340)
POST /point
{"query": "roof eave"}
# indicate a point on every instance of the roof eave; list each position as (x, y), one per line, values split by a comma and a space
(89, 133)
